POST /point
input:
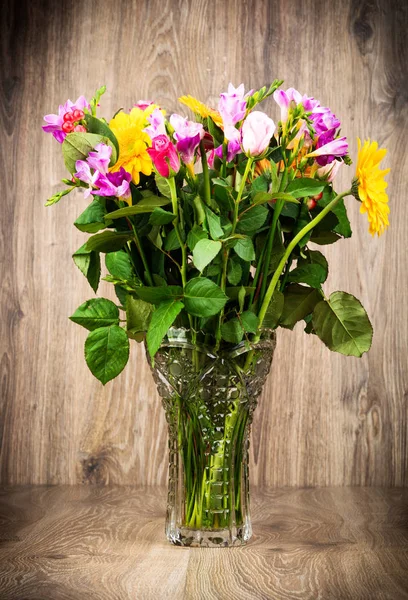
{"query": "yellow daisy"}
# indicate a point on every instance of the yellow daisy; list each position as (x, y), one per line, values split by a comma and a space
(133, 142)
(371, 186)
(201, 109)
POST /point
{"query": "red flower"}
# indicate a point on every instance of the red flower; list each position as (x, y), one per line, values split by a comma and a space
(164, 156)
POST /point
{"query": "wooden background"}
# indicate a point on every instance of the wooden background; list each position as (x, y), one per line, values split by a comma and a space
(323, 419)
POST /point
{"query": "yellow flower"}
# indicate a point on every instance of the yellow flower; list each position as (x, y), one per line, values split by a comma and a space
(371, 186)
(133, 142)
(201, 109)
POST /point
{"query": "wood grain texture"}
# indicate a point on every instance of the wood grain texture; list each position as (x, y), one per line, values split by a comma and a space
(104, 542)
(323, 419)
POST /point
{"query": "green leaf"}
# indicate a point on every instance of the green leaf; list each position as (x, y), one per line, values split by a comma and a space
(323, 238)
(245, 249)
(107, 352)
(195, 235)
(249, 321)
(252, 219)
(171, 241)
(163, 186)
(216, 132)
(204, 252)
(214, 224)
(156, 295)
(99, 127)
(147, 205)
(95, 313)
(304, 186)
(77, 146)
(233, 293)
(314, 257)
(138, 315)
(162, 319)
(89, 263)
(234, 271)
(232, 331)
(161, 217)
(314, 275)
(92, 219)
(259, 184)
(119, 265)
(343, 227)
(108, 241)
(263, 197)
(299, 302)
(203, 297)
(153, 201)
(274, 310)
(343, 325)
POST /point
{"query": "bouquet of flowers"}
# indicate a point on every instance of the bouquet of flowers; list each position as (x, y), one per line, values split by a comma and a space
(210, 224)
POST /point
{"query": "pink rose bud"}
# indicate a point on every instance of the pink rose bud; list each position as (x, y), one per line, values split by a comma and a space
(257, 131)
(164, 156)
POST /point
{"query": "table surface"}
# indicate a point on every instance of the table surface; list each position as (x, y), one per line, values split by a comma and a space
(97, 543)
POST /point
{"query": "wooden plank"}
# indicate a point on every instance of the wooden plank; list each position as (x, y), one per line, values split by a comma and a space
(323, 419)
(108, 543)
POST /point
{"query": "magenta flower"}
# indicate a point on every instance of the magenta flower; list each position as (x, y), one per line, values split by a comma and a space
(55, 123)
(113, 184)
(257, 131)
(188, 135)
(164, 156)
(143, 104)
(232, 105)
(84, 174)
(233, 148)
(157, 125)
(328, 148)
(100, 159)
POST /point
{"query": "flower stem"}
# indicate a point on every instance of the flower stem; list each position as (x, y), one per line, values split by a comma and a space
(176, 224)
(289, 249)
(207, 190)
(142, 256)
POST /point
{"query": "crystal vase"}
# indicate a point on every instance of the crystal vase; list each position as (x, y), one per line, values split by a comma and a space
(209, 398)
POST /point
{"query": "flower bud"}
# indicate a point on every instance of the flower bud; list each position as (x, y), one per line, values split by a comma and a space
(257, 131)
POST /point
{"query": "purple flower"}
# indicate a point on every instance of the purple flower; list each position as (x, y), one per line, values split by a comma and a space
(84, 174)
(328, 148)
(232, 105)
(113, 184)
(157, 124)
(188, 135)
(285, 99)
(100, 159)
(233, 148)
(55, 122)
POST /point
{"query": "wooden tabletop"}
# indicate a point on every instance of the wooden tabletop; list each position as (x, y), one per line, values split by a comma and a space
(97, 543)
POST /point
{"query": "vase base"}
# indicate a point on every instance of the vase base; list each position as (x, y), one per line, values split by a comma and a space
(209, 538)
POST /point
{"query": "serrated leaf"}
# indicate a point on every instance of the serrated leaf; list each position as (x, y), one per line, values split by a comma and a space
(214, 224)
(163, 186)
(156, 295)
(89, 263)
(161, 217)
(204, 252)
(138, 314)
(263, 197)
(95, 125)
(107, 352)
(245, 249)
(343, 325)
(343, 226)
(234, 272)
(249, 321)
(119, 265)
(312, 274)
(195, 235)
(92, 219)
(315, 257)
(162, 319)
(98, 312)
(171, 241)
(203, 297)
(77, 146)
(323, 238)
(252, 219)
(232, 331)
(299, 302)
(108, 241)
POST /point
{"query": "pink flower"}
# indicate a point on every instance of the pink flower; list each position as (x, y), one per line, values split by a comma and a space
(157, 124)
(188, 135)
(327, 152)
(329, 171)
(84, 174)
(100, 159)
(164, 156)
(232, 105)
(257, 131)
(55, 123)
(143, 104)
(284, 100)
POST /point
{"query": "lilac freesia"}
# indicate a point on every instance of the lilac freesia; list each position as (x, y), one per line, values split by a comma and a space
(329, 171)
(84, 174)
(233, 148)
(232, 105)
(257, 131)
(54, 122)
(157, 124)
(188, 135)
(285, 99)
(113, 184)
(100, 159)
(328, 148)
